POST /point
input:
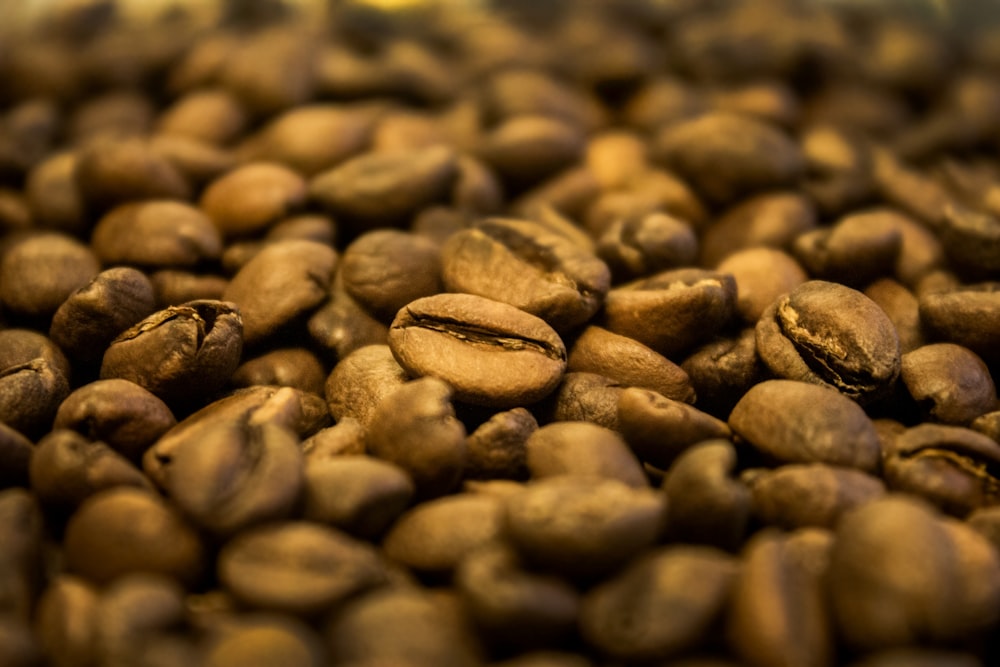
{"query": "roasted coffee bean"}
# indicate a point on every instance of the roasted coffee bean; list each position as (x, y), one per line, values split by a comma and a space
(854, 251)
(955, 468)
(654, 191)
(341, 325)
(582, 448)
(727, 155)
(18, 647)
(360, 495)
(967, 315)
(435, 536)
(722, 370)
(172, 287)
(497, 449)
(918, 657)
(15, 455)
(64, 622)
(212, 115)
(297, 567)
(34, 380)
(526, 147)
(838, 167)
(511, 604)
(93, 316)
(988, 424)
(377, 188)
(156, 234)
(250, 198)
(119, 413)
(345, 438)
(970, 238)
(659, 605)
(235, 475)
(294, 367)
(659, 429)
(950, 591)
(132, 613)
(113, 115)
(386, 269)
(491, 353)
(269, 70)
(581, 526)
(708, 505)
(197, 161)
(362, 381)
(773, 220)
(831, 335)
(629, 363)
(641, 245)
(115, 171)
(199, 342)
(22, 530)
(950, 383)
(415, 428)
(525, 265)
(262, 640)
(903, 310)
(673, 310)
(809, 494)
(762, 275)
(286, 280)
(777, 612)
(39, 272)
(798, 422)
(587, 397)
(125, 530)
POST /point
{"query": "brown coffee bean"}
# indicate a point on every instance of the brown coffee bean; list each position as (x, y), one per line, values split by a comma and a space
(360, 495)
(198, 162)
(660, 605)
(270, 70)
(918, 657)
(156, 234)
(708, 505)
(15, 454)
(491, 353)
(638, 246)
(524, 90)
(297, 567)
(377, 188)
(854, 251)
(949, 382)
(276, 192)
(726, 154)
(658, 429)
(773, 220)
(435, 536)
(125, 530)
(39, 272)
(93, 316)
(654, 191)
(831, 335)
(415, 428)
(582, 449)
(673, 310)
(629, 363)
(235, 475)
(361, 382)
(953, 467)
(258, 641)
(386, 269)
(799, 422)
(22, 527)
(112, 115)
(341, 325)
(198, 342)
(212, 115)
(762, 275)
(526, 147)
(903, 310)
(64, 622)
(777, 612)
(812, 494)
(133, 612)
(967, 315)
(882, 596)
(988, 424)
(838, 174)
(970, 239)
(722, 370)
(34, 380)
(586, 397)
(294, 367)
(497, 449)
(173, 287)
(580, 526)
(117, 171)
(511, 604)
(288, 279)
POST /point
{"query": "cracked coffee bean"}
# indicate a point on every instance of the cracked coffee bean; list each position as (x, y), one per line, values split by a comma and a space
(950, 383)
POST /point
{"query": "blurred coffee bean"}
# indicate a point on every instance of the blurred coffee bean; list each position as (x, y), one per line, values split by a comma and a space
(345, 438)
(491, 353)
(853, 251)
(903, 310)
(762, 275)
(198, 162)
(200, 341)
(341, 325)
(838, 174)
(950, 383)
(581, 449)
(653, 191)
(968, 315)
(40, 271)
(773, 220)
(132, 613)
(22, 527)
(297, 567)
(970, 239)
(660, 605)
(34, 380)
(212, 115)
(116, 171)
(707, 504)
(586, 397)
(258, 641)
(295, 367)
(525, 148)
(15, 455)
(917, 657)
(126, 530)
(361, 381)
(270, 69)
(112, 115)
(172, 287)
(360, 495)
(638, 246)
(415, 428)
(798, 422)
(988, 424)
(65, 620)
(156, 234)
(831, 335)
(497, 449)
(250, 198)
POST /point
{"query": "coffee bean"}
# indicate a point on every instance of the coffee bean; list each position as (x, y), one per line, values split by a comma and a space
(773, 220)
(798, 422)
(435, 536)
(39, 272)
(64, 621)
(132, 613)
(345, 438)
(838, 167)
(198, 162)
(950, 382)
(970, 239)
(777, 612)
(125, 530)
(581, 448)
(722, 370)
(491, 353)
(277, 191)
(708, 505)
(22, 527)
(918, 657)
(950, 591)
(361, 382)
(659, 429)
(659, 605)
(386, 269)
(174, 288)
(641, 245)
(360, 495)
(586, 397)
(415, 428)
(268, 71)
(34, 380)
(212, 115)
(511, 604)
(953, 467)
(287, 280)
(527, 147)
(671, 311)
(828, 334)
(198, 342)
(115, 171)
(854, 251)
(156, 234)
(93, 316)
(266, 640)
(297, 567)
(112, 115)
(629, 363)
(15, 454)
(581, 526)
(762, 275)
(497, 449)
(811, 494)
(988, 424)
(903, 310)
(968, 315)
(295, 367)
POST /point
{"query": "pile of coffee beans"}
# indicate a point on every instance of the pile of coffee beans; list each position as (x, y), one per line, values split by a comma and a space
(635, 333)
